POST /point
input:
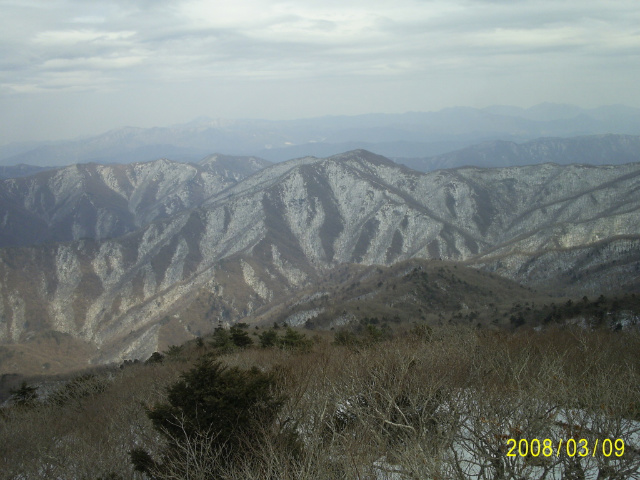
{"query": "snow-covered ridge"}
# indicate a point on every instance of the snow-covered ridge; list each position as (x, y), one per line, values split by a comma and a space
(104, 201)
(277, 228)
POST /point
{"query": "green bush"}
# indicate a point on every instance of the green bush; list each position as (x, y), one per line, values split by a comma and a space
(222, 339)
(211, 413)
(240, 337)
(268, 338)
(156, 357)
(174, 351)
(293, 340)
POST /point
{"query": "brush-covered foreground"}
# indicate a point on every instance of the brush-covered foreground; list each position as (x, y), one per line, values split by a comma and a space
(422, 403)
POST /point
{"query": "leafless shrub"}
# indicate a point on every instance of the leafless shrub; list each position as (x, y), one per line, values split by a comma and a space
(440, 407)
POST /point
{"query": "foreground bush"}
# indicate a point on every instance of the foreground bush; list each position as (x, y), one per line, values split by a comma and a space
(434, 404)
(213, 413)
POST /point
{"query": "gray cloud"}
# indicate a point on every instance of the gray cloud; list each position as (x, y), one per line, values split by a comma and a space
(149, 62)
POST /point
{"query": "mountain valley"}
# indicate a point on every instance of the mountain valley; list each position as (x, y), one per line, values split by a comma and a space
(199, 245)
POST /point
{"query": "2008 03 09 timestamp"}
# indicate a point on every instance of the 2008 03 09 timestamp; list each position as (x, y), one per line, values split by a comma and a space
(571, 447)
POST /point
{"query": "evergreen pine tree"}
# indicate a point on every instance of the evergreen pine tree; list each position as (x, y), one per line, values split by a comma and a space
(240, 337)
(268, 338)
(215, 404)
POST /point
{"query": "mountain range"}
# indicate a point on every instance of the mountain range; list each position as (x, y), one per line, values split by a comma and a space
(610, 149)
(408, 135)
(166, 250)
(102, 201)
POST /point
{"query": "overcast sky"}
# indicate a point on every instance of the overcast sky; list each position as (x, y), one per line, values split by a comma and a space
(76, 67)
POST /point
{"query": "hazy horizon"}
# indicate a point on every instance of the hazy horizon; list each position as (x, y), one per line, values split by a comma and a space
(221, 120)
(70, 68)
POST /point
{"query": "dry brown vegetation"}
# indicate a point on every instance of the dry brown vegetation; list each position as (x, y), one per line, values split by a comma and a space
(438, 404)
(48, 352)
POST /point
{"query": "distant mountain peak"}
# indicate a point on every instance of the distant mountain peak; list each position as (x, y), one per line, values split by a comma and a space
(362, 154)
